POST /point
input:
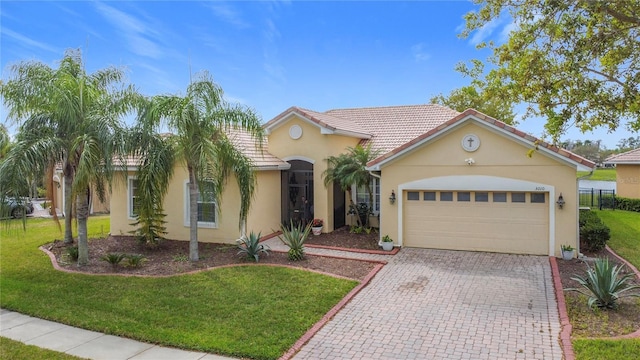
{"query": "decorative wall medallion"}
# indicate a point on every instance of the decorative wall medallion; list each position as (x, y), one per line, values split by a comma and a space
(295, 131)
(470, 142)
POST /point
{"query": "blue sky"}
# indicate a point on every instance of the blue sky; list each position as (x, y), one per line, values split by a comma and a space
(268, 55)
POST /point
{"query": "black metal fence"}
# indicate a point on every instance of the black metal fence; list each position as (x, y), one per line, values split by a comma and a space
(597, 198)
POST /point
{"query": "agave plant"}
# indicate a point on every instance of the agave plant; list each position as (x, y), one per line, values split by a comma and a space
(294, 237)
(604, 286)
(251, 247)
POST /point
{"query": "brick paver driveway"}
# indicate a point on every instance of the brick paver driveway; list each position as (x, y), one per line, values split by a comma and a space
(433, 304)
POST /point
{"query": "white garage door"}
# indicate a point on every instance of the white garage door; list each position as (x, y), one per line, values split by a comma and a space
(507, 222)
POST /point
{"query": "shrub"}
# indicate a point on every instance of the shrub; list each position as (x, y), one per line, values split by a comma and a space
(294, 237)
(603, 286)
(150, 227)
(594, 234)
(628, 204)
(251, 247)
(135, 260)
(113, 258)
(73, 253)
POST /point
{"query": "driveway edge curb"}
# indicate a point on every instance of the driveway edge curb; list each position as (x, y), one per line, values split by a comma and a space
(565, 325)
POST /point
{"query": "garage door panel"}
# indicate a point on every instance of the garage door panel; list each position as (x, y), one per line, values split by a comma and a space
(481, 226)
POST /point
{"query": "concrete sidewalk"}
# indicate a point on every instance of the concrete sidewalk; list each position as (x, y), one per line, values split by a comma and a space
(87, 344)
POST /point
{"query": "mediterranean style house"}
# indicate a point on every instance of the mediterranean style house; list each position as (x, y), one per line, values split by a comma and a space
(444, 179)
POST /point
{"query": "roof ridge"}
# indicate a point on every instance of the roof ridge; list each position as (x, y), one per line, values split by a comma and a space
(387, 107)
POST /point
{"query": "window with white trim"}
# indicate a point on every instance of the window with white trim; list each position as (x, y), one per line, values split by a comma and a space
(207, 215)
(132, 198)
(362, 195)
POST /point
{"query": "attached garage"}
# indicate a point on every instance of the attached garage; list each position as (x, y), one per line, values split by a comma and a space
(495, 221)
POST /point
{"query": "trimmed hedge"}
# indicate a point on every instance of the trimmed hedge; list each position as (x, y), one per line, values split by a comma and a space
(627, 204)
(594, 234)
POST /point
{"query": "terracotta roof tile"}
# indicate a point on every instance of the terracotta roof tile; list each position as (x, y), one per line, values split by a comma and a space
(489, 120)
(262, 159)
(393, 126)
(629, 157)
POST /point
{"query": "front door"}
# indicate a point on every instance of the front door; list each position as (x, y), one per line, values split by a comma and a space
(297, 193)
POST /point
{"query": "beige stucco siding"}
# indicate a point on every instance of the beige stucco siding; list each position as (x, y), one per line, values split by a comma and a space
(499, 156)
(263, 217)
(628, 180)
(314, 147)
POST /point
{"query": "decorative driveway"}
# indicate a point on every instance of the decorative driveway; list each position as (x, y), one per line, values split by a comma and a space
(437, 304)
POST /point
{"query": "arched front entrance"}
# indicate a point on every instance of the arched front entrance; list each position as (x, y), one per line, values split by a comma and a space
(297, 192)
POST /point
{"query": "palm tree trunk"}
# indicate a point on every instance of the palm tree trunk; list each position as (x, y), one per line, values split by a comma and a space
(68, 207)
(82, 208)
(193, 217)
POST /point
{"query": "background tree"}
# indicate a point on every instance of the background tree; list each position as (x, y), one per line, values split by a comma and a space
(629, 143)
(349, 169)
(200, 123)
(470, 97)
(66, 118)
(574, 62)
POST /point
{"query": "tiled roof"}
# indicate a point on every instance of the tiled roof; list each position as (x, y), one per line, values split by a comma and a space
(488, 120)
(261, 158)
(324, 120)
(392, 126)
(629, 157)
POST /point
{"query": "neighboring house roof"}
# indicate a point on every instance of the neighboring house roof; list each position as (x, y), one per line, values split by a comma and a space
(629, 157)
(482, 119)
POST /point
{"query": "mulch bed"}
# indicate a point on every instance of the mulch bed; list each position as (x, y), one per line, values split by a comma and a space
(342, 238)
(171, 257)
(597, 323)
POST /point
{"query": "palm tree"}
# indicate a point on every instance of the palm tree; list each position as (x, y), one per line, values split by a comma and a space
(66, 118)
(350, 169)
(200, 123)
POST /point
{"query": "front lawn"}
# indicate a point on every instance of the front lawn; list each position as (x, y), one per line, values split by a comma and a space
(625, 233)
(15, 350)
(247, 311)
(625, 240)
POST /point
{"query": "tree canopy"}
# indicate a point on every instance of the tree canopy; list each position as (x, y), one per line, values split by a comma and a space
(576, 63)
(470, 97)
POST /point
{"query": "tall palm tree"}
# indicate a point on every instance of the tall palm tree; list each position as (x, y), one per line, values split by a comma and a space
(349, 169)
(200, 123)
(71, 119)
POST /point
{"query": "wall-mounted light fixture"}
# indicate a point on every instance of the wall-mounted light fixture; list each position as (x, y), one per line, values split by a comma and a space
(470, 161)
(392, 198)
(560, 201)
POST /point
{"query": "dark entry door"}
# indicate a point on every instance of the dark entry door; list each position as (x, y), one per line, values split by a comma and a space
(297, 183)
(339, 207)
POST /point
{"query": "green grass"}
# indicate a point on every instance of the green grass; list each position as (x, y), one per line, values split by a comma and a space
(248, 311)
(607, 349)
(15, 350)
(600, 174)
(625, 240)
(625, 233)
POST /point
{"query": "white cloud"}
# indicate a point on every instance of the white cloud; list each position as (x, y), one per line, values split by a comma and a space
(227, 14)
(485, 32)
(135, 31)
(26, 41)
(420, 53)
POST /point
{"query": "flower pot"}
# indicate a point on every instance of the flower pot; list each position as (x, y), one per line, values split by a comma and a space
(316, 230)
(387, 246)
(568, 254)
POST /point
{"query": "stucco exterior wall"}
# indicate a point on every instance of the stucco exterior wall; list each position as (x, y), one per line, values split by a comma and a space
(497, 156)
(628, 180)
(314, 147)
(263, 217)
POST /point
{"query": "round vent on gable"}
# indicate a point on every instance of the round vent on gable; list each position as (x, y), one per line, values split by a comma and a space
(295, 131)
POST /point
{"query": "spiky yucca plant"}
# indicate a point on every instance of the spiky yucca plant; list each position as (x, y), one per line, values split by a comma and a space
(294, 237)
(603, 285)
(251, 247)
